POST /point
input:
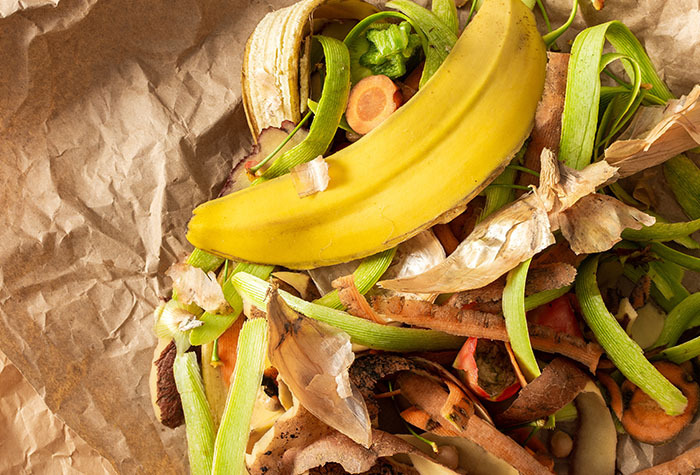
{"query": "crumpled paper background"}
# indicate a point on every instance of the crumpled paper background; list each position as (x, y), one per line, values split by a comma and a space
(116, 119)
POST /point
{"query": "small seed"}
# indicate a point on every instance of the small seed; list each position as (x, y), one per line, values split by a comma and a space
(561, 444)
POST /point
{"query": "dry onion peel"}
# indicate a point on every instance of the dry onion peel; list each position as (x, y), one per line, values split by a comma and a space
(311, 177)
(313, 360)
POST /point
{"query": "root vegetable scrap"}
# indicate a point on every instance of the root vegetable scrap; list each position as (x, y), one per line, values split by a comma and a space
(371, 101)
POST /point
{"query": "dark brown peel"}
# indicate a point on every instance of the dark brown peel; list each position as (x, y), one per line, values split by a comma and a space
(165, 397)
(559, 384)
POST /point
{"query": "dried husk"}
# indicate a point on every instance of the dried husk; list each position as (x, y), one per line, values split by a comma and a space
(193, 285)
(595, 223)
(677, 130)
(313, 360)
(311, 177)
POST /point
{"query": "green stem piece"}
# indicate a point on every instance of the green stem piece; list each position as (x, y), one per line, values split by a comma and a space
(199, 424)
(516, 323)
(541, 298)
(683, 177)
(627, 356)
(552, 36)
(682, 317)
(681, 353)
(284, 142)
(232, 438)
(361, 331)
(660, 231)
(446, 11)
(677, 257)
(366, 275)
(205, 261)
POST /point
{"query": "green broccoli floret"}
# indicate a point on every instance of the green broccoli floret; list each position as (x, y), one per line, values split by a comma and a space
(391, 47)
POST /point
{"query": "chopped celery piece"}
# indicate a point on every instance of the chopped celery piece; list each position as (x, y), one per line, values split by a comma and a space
(683, 177)
(567, 413)
(661, 231)
(334, 99)
(391, 48)
(682, 317)
(627, 356)
(204, 260)
(232, 437)
(439, 36)
(199, 424)
(516, 322)
(536, 300)
(446, 11)
(683, 352)
(361, 331)
(677, 257)
(215, 325)
(366, 275)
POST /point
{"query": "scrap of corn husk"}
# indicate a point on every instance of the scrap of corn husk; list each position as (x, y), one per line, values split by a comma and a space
(657, 134)
(193, 285)
(522, 229)
(313, 360)
(311, 177)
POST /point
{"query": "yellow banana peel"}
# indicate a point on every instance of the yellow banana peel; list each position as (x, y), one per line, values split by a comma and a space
(434, 154)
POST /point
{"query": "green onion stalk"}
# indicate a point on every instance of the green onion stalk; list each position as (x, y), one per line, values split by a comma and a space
(516, 322)
(627, 356)
(681, 318)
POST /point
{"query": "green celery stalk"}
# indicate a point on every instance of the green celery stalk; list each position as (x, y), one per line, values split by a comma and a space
(215, 325)
(361, 331)
(536, 300)
(661, 231)
(677, 257)
(681, 318)
(683, 177)
(446, 11)
(334, 99)
(627, 356)
(516, 323)
(232, 437)
(366, 275)
(440, 38)
(681, 353)
(204, 260)
(199, 424)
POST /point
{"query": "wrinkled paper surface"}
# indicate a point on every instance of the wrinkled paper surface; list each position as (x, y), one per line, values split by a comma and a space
(116, 119)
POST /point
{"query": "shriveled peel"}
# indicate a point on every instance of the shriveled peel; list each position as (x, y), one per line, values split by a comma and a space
(313, 360)
(484, 325)
(650, 143)
(560, 382)
(516, 232)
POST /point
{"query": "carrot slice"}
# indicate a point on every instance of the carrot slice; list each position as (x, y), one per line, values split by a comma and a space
(371, 101)
(613, 392)
(645, 420)
(228, 344)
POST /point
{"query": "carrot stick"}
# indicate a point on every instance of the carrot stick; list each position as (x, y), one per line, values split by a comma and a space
(371, 101)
